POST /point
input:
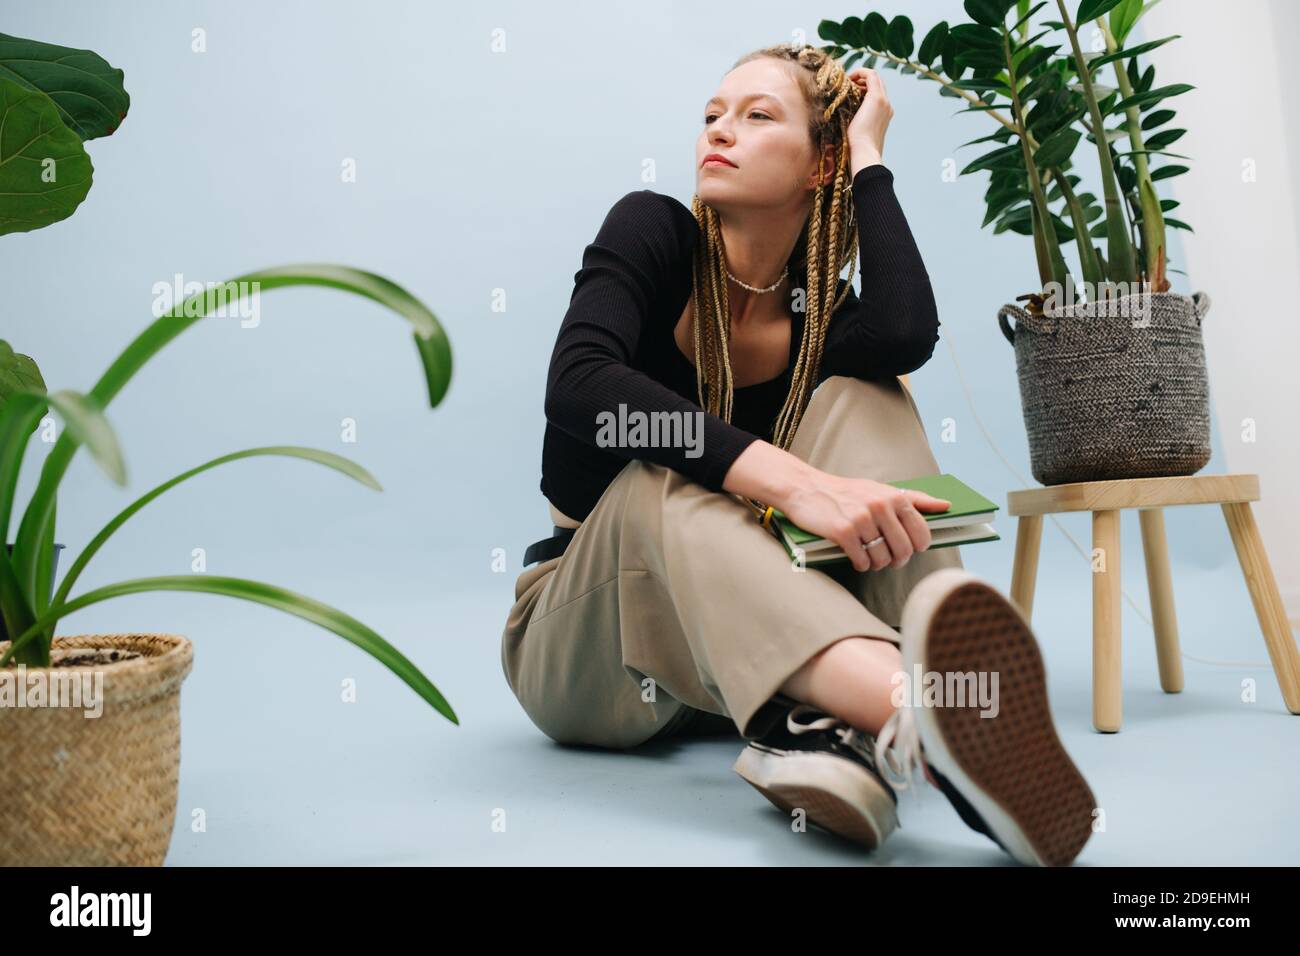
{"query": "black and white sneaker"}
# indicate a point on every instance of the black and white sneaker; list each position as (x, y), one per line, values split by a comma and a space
(816, 762)
(1007, 775)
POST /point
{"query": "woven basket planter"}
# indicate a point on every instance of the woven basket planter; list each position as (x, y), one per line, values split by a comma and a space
(77, 790)
(1113, 389)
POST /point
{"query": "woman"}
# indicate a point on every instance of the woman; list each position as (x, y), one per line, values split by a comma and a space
(661, 606)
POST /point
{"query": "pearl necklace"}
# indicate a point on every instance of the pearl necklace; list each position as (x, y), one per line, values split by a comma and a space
(745, 285)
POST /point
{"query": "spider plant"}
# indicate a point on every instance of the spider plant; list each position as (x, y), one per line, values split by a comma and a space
(30, 613)
(1045, 98)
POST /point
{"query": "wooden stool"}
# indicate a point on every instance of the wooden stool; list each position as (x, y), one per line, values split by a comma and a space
(1106, 499)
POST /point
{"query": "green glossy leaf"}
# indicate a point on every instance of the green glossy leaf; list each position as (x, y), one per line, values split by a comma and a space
(951, 68)
(851, 30)
(932, 45)
(1168, 172)
(1178, 224)
(1092, 9)
(899, 38)
(1123, 17)
(1134, 51)
(974, 36)
(299, 605)
(1057, 148)
(86, 91)
(980, 60)
(1004, 157)
(1027, 14)
(830, 30)
(980, 86)
(45, 172)
(991, 13)
(999, 135)
(875, 29)
(1151, 97)
(1164, 138)
(1036, 58)
(1158, 118)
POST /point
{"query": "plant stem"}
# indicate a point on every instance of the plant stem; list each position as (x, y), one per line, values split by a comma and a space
(1119, 251)
(1056, 271)
(1153, 217)
(1087, 254)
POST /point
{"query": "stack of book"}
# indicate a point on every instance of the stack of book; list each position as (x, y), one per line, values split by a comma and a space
(967, 521)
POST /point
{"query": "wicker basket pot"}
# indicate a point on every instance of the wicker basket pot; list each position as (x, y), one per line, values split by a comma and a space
(80, 790)
(1113, 389)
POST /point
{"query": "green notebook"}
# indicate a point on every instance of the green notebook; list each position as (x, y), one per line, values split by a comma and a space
(967, 521)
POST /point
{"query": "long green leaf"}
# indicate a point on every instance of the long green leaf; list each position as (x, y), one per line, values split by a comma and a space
(18, 417)
(17, 615)
(430, 340)
(81, 419)
(290, 602)
(328, 459)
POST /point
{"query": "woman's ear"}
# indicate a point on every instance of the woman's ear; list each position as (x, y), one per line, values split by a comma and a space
(827, 168)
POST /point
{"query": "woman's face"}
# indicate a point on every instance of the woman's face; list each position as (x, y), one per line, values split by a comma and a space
(758, 119)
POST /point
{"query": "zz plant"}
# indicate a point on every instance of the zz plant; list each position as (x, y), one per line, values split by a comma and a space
(1046, 93)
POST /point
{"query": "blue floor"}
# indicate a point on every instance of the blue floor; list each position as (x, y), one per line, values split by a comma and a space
(279, 771)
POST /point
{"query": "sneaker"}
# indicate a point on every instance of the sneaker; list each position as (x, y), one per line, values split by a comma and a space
(1007, 776)
(817, 762)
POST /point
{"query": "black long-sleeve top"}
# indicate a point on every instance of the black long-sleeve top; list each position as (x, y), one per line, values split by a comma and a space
(616, 346)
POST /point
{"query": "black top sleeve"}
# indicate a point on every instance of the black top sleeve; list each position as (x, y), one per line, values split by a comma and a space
(893, 328)
(623, 272)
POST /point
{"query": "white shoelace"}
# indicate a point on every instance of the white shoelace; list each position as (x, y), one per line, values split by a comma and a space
(895, 763)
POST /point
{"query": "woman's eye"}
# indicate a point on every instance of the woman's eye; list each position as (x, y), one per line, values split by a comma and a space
(712, 116)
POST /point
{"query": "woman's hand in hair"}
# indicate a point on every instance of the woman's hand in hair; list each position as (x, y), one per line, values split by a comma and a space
(867, 128)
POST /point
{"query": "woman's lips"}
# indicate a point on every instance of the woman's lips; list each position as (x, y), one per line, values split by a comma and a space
(718, 162)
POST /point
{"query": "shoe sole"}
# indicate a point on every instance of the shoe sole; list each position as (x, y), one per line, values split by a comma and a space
(1012, 768)
(836, 794)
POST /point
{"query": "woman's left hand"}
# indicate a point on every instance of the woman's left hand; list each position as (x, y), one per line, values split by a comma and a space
(869, 123)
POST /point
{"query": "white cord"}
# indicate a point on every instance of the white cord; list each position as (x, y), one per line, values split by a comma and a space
(1086, 555)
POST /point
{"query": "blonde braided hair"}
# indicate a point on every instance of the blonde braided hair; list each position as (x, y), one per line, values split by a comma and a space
(827, 242)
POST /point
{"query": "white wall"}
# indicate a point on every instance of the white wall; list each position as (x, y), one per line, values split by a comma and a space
(1243, 125)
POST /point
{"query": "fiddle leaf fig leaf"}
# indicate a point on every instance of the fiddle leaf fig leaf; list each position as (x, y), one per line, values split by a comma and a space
(87, 92)
(17, 373)
(45, 171)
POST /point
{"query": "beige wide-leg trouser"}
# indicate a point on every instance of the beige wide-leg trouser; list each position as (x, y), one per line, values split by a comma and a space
(671, 603)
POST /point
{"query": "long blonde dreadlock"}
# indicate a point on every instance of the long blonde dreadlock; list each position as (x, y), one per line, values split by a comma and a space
(827, 242)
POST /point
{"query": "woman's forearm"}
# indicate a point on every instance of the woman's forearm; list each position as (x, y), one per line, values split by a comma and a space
(767, 473)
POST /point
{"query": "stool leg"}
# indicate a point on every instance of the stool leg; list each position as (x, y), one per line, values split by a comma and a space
(1106, 593)
(1155, 549)
(1268, 602)
(1024, 571)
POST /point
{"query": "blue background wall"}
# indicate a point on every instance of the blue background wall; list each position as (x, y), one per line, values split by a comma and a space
(476, 171)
